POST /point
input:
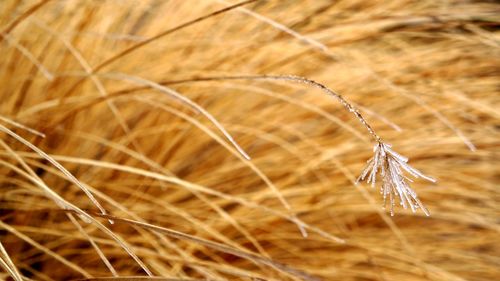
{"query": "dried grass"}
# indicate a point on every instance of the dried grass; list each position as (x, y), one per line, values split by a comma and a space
(170, 140)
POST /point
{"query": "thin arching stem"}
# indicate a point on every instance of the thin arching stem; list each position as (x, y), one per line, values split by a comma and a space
(10, 26)
(292, 78)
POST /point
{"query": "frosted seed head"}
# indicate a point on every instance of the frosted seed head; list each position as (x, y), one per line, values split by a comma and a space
(390, 165)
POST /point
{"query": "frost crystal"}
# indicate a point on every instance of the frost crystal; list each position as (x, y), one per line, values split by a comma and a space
(390, 165)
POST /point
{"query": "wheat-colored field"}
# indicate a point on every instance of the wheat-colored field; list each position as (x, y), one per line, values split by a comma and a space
(222, 140)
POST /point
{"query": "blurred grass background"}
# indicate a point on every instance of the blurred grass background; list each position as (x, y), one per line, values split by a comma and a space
(425, 74)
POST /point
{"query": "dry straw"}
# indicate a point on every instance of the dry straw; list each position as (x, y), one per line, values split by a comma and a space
(151, 140)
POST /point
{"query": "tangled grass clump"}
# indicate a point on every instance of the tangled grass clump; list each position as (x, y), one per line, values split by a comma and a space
(192, 140)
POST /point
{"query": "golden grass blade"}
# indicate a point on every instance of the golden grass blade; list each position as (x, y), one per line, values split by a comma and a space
(8, 265)
(216, 246)
(19, 125)
(137, 278)
(45, 250)
(55, 163)
(170, 31)
(10, 26)
(66, 206)
(183, 99)
(191, 186)
(94, 245)
(28, 55)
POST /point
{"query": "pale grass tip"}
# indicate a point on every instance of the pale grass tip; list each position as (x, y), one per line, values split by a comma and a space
(390, 165)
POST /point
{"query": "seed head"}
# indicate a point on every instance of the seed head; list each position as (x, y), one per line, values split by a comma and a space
(390, 165)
